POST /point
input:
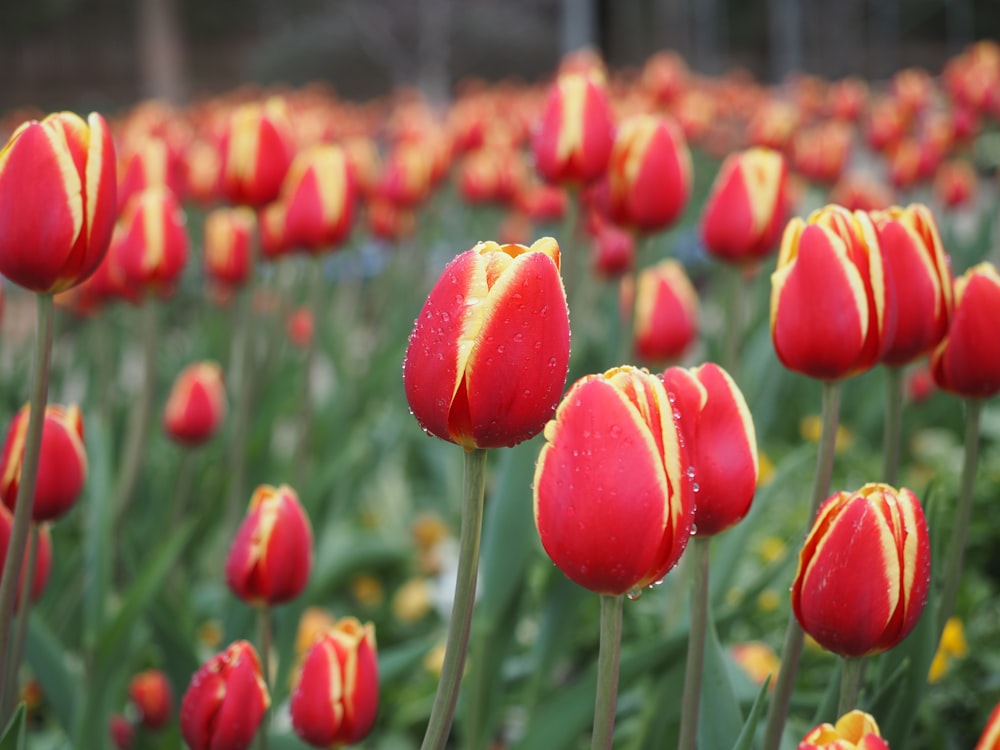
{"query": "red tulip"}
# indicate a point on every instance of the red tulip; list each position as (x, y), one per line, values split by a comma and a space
(955, 183)
(146, 163)
(122, 732)
(335, 699)
(271, 557)
(649, 173)
(572, 140)
(62, 467)
(43, 562)
(854, 731)
(154, 242)
(746, 208)
(488, 356)
(829, 317)
(919, 273)
(666, 312)
(196, 405)
(967, 362)
(225, 702)
(614, 250)
(722, 445)
(230, 234)
(613, 505)
(990, 738)
(152, 695)
(257, 149)
(57, 201)
(319, 194)
(864, 571)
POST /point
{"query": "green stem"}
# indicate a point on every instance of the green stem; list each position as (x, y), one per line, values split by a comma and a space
(26, 491)
(443, 710)
(608, 659)
(791, 651)
(21, 619)
(240, 370)
(700, 548)
(735, 306)
(850, 684)
(893, 430)
(265, 668)
(138, 426)
(960, 531)
(306, 407)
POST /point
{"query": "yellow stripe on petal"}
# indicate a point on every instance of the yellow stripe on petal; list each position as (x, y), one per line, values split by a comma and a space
(573, 99)
(71, 184)
(331, 181)
(474, 318)
(761, 169)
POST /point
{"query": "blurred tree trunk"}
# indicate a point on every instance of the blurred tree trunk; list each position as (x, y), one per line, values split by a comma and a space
(628, 25)
(674, 22)
(709, 36)
(578, 25)
(161, 51)
(786, 37)
(434, 49)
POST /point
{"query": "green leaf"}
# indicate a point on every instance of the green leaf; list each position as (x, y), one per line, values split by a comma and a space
(719, 718)
(15, 735)
(745, 740)
(50, 664)
(98, 528)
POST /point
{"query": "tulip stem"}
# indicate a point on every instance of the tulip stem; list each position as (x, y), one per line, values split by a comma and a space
(608, 659)
(893, 429)
(960, 531)
(21, 619)
(303, 451)
(456, 646)
(265, 668)
(239, 374)
(735, 305)
(791, 651)
(11, 574)
(850, 683)
(700, 548)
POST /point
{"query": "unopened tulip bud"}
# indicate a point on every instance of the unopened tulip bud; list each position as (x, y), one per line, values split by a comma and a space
(62, 466)
(154, 242)
(152, 695)
(122, 732)
(58, 201)
(257, 149)
(488, 356)
(196, 405)
(226, 701)
(271, 557)
(864, 571)
(43, 562)
(230, 234)
(319, 194)
(335, 700)
(666, 312)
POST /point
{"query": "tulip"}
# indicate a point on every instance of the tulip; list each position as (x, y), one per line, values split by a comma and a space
(121, 731)
(229, 237)
(271, 557)
(319, 194)
(489, 353)
(955, 183)
(62, 468)
(196, 405)
(201, 171)
(614, 251)
(151, 693)
(572, 140)
(58, 201)
(43, 562)
(649, 173)
(146, 163)
(853, 731)
(722, 445)
(335, 699)
(990, 738)
(226, 701)
(919, 271)
(154, 244)
(864, 571)
(829, 317)
(406, 175)
(745, 210)
(820, 151)
(257, 149)
(666, 312)
(612, 504)
(965, 363)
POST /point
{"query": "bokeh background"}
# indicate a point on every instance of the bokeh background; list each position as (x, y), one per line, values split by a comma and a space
(102, 54)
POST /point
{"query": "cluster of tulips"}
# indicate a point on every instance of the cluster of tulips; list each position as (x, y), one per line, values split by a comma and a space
(641, 457)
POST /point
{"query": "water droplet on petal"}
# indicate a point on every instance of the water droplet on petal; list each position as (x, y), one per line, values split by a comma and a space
(634, 594)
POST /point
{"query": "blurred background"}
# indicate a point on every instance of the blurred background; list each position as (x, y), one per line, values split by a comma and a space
(102, 54)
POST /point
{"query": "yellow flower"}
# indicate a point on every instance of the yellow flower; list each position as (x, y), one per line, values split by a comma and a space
(768, 600)
(952, 646)
(210, 634)
(765, 469)
(314, 622)
(811, 428)
(435, 660)
(367, 590)
(771, 548)
(758, 660)
(412, 601)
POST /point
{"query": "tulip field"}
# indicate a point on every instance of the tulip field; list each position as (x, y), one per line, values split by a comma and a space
(637, 409)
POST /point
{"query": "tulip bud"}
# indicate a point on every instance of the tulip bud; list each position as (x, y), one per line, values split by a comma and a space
(257, 149)
(855, 730)
(57, 201)
(43, 562)
(722, 445)
(918, 270)
(613, 507)
(955, 183)
(649, 173)
(225, 702)
(335, 700)
(319, 193)
(196, 405)
(151, 693)
(990, 738)
(406, 175)
(488, 356)
(271, 556)
(829, 316)
(154, 244)
(666, 312)
(122, 732)
(614, 251)
(745, 211)
(572, 140)
(864, 571)
(146, 163)
(966, 362)
(229, 237)
(62, 465)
